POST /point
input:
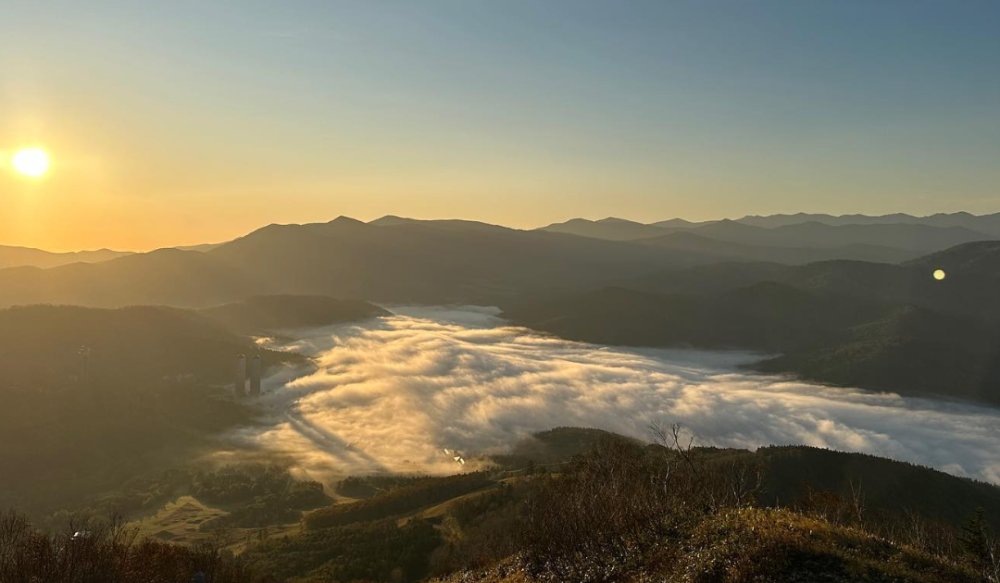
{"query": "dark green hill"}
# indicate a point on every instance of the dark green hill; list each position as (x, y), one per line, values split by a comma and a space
(150, 387)
(268, 313)
(888, 487)
(839, 339)
(978, 259)
(433, 261)
(908, 350)
(42, 344)
(766, 316)
(554, 446)
(732, 251)
(164, 277)
(712, 278)
(791, 474)
(969, 288)
(95, 396)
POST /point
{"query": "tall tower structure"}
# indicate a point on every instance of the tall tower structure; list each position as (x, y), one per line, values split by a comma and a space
(240, 385)
(255, 368)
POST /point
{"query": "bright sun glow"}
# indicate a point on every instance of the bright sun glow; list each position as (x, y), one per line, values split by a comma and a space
(939, 274)
(33, 162)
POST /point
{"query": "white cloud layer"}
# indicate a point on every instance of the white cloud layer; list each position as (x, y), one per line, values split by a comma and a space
(392, 394)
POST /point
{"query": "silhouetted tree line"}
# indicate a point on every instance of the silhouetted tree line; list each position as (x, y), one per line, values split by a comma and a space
(108, 554)
(368, 486)
(363, 552)
(258, 495)
(399, 500)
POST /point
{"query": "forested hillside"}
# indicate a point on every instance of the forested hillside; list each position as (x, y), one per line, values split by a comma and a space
(92, 397)
(874, 326)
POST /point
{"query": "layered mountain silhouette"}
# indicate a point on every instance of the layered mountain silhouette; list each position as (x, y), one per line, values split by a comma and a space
(871, 325)
(395, 259)
(610, 228)
(988, 224)
(623, 229)
(414, 261)
(11, 256)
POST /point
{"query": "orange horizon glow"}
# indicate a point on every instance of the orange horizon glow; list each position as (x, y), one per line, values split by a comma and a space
(165, 130)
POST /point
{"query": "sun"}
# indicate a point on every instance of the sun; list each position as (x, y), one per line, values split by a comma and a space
(32, 162)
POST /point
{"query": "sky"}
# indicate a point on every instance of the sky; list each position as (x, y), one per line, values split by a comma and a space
(187, 122)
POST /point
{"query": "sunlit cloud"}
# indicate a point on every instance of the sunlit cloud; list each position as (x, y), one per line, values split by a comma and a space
(393, 394)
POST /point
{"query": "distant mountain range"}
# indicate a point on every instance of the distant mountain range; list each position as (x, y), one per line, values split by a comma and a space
(395, 259)
(811, 239)
(610, 228)
(798, 238)
(626, 230)
(12, 256)
(21, 256)
(408, 261)
(989, 224)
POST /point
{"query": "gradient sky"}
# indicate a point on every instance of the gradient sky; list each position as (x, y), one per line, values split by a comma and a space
(193, 121)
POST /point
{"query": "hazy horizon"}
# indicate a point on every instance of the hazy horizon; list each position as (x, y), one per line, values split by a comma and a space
(188, 123)
(223, 239)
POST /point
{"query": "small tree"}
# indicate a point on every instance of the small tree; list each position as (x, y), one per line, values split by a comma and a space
(979, 544)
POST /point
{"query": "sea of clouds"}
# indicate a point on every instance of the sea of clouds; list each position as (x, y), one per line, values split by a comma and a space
(391, 394)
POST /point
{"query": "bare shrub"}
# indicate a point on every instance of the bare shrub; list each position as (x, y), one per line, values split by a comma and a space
(108, 553)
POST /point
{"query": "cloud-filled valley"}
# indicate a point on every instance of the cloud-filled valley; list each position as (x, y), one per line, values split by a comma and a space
(391, 394)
